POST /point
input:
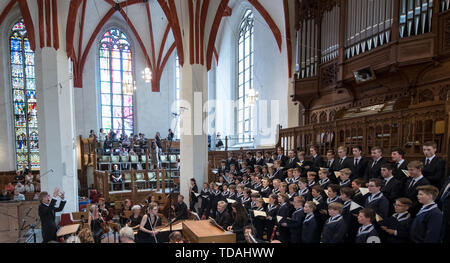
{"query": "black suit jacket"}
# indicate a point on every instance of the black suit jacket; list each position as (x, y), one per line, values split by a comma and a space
(359, 170)
(435, 171)
(398, 174)
(283, 159)
(411, 193)
(181, 211)
(47, 216)
(316, 163)
(392, 190)
(375, 171)
(443, 201)
(224, 219)
(291, 164)
(232, 161)
(347, 163)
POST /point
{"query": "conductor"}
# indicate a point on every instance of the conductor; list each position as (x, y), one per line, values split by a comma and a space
(47, 212)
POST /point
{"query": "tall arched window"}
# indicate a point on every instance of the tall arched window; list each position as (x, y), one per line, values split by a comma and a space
(24, 98)
(245, 78)
(115, 72)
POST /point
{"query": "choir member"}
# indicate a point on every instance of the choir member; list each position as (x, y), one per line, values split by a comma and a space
(334, 229)
(343, 161)
(349, 216)
(316, 159)
(215, 197)
(359, 164)
(310, 229)
(290, 176)
(392, 188)
(284, 212)
(302, 164)
(434, 167)
(272, 211)
(291, 161)
(399, 165)
(232, 192)
(296, 175)
(245, 199)
(367, 230)
(254, 197)
(416, 179)
(281, 157)
(251, 161)
(373, 169)
(257, 186)
(225, 192)
(259, 221)
(267, 158)
(331, 164)
(259, 159)
(294, 223)
(194, 197)
(444, 205)
(303, 189)
(397, 227)
(358, 197)
(344, 178)
(231, 161)
(279, 173)
(293, 188)
(265, 190)
(276, 186)
(223, 168)
(311, 177)
(427, 226)
(324, 181)
(205, 195)
(376, 200)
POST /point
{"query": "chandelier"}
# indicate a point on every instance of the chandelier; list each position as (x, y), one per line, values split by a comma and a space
(252, 97)
(147, 75)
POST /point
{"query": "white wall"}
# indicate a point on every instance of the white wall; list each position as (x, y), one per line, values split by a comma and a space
(270, 72)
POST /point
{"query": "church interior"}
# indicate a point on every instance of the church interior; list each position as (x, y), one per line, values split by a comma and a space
(225, 121)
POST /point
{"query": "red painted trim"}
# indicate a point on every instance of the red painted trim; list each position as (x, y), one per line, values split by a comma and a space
(166, 57)
(177, 36)
(48, 23)
(5, 11)
(216, 54)
(23, 5)
(176, 31)
(111, 2)
(191, 31)
(203, 15)
(80, 39)
(273, 26)
(228, 11)
(150, 26)
(129, 2)
(288, 35)
(156, 83)
(94, 34)
(55, 24)
(161, 49)
(197, 37)
(213, 34)
(41, 23)
(130, 24)
(70, 27)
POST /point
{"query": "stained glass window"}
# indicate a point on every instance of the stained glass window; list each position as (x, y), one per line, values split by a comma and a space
(24, 98)
(245, 79)
(115, 70)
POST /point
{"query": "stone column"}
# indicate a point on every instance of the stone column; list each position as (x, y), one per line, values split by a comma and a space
(56, 125)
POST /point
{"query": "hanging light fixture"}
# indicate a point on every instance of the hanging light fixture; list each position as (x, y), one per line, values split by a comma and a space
(252, 97)
(147, 75)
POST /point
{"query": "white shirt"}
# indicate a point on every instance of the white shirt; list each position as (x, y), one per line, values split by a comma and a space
(388, 179)
(430, 158)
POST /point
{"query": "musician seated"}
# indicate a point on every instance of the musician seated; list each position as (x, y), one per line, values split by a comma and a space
(4, 196)
(223, 218)
(105, 210)
(249, 234)
(126, 206)
(96, 221)
(240, 221)
(175, 237)
(126, 235)
(180, 208)
(85, 235)
(135, 219)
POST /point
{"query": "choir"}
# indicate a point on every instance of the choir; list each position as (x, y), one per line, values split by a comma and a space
(334, 200)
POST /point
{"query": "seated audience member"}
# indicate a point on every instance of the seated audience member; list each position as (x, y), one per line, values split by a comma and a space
(223, 218)
(4, 196)
(335, 228)
(427, 226)
(18, 196)
(29, 178)
(126, 235)
(366, 233)
(175, 237)
(397, 227)
(310, 229)
(9, 188)
(29, 187)
(19, 178)
(116, 177)
(19, 187)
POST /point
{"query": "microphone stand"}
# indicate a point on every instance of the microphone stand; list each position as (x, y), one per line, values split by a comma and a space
(170, 177)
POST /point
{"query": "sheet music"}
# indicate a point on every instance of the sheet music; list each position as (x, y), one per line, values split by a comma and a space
(259, 213)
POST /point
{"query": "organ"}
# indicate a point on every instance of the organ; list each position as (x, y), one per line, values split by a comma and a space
(404, 44)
